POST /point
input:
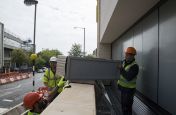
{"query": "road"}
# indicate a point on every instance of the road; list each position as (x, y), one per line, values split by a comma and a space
(12, 94)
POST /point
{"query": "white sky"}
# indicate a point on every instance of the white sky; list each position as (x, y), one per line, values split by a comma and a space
(55, 22)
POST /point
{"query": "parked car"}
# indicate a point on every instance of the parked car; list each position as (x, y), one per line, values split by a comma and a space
(40, 71)
(44, 69)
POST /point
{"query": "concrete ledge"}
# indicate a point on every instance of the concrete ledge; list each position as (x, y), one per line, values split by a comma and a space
(77, 100)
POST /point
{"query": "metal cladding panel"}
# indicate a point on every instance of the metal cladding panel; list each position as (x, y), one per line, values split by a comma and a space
(127, 42)
(117, 50)
(119, 46)
(91, 69)
(150, 56)
(144, 37)
(167, 56)
(138, 45)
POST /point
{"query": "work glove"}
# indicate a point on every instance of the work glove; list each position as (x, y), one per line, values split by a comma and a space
(67, 85)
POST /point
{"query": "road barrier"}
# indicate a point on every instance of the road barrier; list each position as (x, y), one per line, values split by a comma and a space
(13, 76)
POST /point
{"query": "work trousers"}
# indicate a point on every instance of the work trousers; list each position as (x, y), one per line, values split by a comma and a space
(127, 102)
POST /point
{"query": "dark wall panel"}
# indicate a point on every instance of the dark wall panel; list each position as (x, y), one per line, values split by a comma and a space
(144, 37)
(117, 50)
(150, 56)
(167, 56)
(156, 79)
(127, 41)
(138, 45)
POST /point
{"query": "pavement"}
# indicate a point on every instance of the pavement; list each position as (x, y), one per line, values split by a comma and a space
(13, 76)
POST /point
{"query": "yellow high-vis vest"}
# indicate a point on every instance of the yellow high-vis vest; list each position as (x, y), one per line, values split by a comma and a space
(51, 79)
(123, 81)
(32, 113)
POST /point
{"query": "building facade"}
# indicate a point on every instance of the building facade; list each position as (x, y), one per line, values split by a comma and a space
(149, 26)
(1, 45)
(8, 42)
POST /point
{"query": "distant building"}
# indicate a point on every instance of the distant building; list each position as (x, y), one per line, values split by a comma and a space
(9, 41)
(1, 45)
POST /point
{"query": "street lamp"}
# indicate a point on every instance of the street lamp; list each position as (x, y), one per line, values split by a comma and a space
(33, 56)
(29, 3)
(84, 37)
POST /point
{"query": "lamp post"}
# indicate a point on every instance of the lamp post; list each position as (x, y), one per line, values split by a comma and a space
(84, 37)
(29, 3)
(33, 56)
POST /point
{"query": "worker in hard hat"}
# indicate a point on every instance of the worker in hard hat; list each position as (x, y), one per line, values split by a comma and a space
(127, 83)
(35, 102)
(50, 78)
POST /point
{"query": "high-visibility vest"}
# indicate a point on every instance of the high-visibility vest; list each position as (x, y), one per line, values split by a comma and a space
(61, 84)
(123, 81)
(51, 79)
(32, 113)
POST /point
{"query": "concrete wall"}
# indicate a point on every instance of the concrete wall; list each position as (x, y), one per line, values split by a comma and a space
(104, 51)
(106, 10)
(115, 17)
(154, 39)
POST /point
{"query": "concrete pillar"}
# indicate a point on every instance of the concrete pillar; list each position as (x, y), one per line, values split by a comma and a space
(104, 51)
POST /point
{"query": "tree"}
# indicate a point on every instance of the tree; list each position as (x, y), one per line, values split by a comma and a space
(75, 50)
(19, 57)
(90, 56)
(40, 62)
(46, 54)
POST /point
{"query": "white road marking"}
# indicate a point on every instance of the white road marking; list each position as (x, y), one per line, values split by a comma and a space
(11, 88)
(7, 93)
(7, 100)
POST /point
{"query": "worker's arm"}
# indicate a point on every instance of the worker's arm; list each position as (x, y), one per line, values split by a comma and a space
(55, 91)
(61, 82)
(53, 94)
(45, 78)
(132, 73)
(45, 83)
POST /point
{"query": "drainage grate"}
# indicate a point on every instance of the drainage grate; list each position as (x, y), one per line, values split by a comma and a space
(139, 108)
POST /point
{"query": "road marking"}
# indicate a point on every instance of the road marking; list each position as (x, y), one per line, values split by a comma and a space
(11, 88)
(7, 100)
(7, 93)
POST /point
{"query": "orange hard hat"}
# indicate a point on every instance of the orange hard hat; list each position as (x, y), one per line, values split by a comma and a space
(131, 50)
(30, 99)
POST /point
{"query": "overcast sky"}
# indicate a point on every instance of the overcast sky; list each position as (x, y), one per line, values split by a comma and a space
(55, 22)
